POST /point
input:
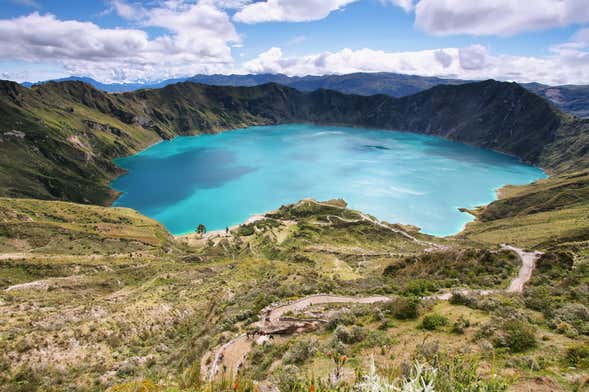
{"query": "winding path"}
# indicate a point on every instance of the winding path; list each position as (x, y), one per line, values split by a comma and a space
(231, 356)
(525, 272)
(367, 218)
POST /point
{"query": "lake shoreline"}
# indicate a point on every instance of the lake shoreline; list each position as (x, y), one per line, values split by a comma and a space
(498, 191)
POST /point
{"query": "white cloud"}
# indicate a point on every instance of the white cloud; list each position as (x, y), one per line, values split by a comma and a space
(232, 4)
(443, 58)
(473, 57)
(407, 5)
(289, 10)
(473, 62)
(127, 11)
(497, 17)
(199, 40)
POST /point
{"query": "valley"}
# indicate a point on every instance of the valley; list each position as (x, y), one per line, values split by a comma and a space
(100, 298)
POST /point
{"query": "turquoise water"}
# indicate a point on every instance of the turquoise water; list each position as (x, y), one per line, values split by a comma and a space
(221, 180)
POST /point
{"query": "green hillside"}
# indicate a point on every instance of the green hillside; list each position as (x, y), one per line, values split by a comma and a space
(75, 317)
(95, 298)
(58, 139)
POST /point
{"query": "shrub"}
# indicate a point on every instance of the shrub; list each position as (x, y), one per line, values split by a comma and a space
(245, 230)
(288, 378)
(578, 356)
(576, 315)
(460, 325)
(539, 298)
(459, 298)
(404, 308)
(342, 317)
(433, 321)
(566, 329)
(300, 351)
(556, 263)
(519, 336)
(420, 287)
(351, 335)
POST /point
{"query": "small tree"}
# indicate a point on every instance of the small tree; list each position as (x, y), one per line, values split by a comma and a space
(201, 229)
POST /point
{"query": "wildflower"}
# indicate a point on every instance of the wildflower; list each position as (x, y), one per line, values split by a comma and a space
(312, 388)
(235, 386)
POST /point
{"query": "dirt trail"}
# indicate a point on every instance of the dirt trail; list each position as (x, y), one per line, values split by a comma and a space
(231, 356)
(525, 272)
(273, 315)
(14, 256)
(374, 221)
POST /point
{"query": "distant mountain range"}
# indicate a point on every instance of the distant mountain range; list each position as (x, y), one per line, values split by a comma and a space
(396, 85)
(572, 99)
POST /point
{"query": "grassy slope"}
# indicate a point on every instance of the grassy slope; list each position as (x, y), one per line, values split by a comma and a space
(99, 320)
(36, 226)
(548, 213)
(118, 300)
(66, 134)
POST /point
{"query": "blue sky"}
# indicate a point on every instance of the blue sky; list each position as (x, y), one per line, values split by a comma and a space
(125, 40)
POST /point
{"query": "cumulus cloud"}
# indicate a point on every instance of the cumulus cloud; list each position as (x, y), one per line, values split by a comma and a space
(497, 17)
(199, 40)
(127, 11)
(288, 10)
(473, 63)
(473, 57)
(443, 58)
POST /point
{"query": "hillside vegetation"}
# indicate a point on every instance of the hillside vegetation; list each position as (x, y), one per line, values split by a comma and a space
(548, 213)
(153, 318)
(572, 99)
(95, 298)
(58, 139)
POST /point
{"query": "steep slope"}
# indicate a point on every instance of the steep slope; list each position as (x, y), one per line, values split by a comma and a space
(499, 116)
(30, 227)
(548, 213)
(572, 99)
(58, 139)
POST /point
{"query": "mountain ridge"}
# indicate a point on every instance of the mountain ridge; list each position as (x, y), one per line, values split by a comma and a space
(573, 99)
(59, 138)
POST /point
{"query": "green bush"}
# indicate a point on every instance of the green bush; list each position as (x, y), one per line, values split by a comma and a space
(574, 314)
(342, 317)
(519, 336)
(300, 351)
(578, 356)
(245, 230)
(460, 325)
(420, 288)
(288, 378)
(351, 335)
(433, 321)
(404, 308)
(539, 298)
